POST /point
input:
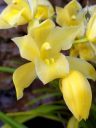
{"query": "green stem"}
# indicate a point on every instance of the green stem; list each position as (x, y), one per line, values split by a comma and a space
(83, 40)
(6, 69)
(11, 122)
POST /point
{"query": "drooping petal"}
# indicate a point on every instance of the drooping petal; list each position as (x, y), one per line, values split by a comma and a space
(82, 66)
(48, 70)
(76, 90)
(23, 77)
(27, 46)
(41, 32)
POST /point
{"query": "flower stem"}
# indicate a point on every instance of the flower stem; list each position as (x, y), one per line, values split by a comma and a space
(6, 69)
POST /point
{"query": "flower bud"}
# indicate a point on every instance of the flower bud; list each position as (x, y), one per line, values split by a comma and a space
(73, 123)
(77, 94)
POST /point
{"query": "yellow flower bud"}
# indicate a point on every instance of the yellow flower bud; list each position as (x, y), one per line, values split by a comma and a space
(73, 123)
(77, 94)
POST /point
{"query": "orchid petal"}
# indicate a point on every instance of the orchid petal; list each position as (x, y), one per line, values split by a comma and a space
(62, 38)
(49, 70)
(41, 32)
(23, 77)
(27, 46)
(91, 32)
(82, 66)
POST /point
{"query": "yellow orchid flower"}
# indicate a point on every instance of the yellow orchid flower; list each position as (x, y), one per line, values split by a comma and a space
(16, 13)
(76, 90)
(68, 14)
(42, 47)
(71, 15)
(19, 12)
(73, 123)
(83, 50)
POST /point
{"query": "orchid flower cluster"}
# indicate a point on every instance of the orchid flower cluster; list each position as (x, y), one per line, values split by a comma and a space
(51, 31)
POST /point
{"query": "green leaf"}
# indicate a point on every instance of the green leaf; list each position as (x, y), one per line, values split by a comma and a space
(6, 119)
(6, 69)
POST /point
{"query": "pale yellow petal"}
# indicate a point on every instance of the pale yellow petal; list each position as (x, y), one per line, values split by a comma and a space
(27, 46)
(41, 32)
(47, 4)
(62, 38)
(83, 66)
(33, 6)
(86, 52)
(77, 94)
(91, 32)
(23, 77)
(32, 24)
(23, 4)
(4, 24)
(48, 70)
(42, 12)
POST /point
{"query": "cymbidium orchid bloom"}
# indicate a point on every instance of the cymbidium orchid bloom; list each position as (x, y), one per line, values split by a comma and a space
(19, 12)
(71, 15)
(83, 50)
(73, 123)
(76, 90)
(42, 46)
